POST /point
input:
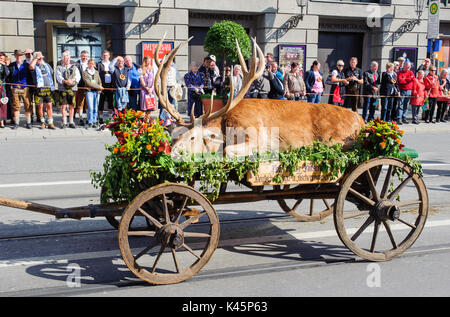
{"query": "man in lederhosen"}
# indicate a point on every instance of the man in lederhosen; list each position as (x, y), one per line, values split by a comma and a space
(354, 76)
(68, 77)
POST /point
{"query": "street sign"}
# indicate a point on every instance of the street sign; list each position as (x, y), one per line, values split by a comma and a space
(433, 19)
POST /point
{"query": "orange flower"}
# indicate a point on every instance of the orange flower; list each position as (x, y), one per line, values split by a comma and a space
(149, 147)
(383, 145)
(116, 150)
(402, 132)
(398, 141)
(126, 134)
(122, 149)
(139, 113)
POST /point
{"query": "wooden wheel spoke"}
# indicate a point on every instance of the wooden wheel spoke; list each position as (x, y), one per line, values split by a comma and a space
(372, 185)
(374, 237)
(311, 207)
(188, 234)
(180, 212)
(191, 251)
(399, 188)
(141, 233)
(177, 266)
(389, 232)
(166, 209)
(408, 203)
(361, 197)
(407, 223)
(363, 227)
(153, 220)
(151, 246)
(356, 214)
(191, 220)
(163, 247)
(386, 182)
(297, 203)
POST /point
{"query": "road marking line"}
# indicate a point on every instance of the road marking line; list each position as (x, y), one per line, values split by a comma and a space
(45, 184)
(89, 181)
(223, 243)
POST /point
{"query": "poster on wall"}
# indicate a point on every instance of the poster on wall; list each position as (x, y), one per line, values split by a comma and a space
(287, 54)
(408, 53)
(148, 49)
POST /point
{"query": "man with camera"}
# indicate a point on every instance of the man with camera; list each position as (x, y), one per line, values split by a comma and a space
(43, 80)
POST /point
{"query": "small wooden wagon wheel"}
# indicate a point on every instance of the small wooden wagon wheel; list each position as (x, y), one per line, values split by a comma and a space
(317, 209)
(189, 246)
(381, 217)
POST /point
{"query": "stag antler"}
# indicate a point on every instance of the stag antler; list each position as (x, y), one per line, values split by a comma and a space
(256, 71)
(161, 75)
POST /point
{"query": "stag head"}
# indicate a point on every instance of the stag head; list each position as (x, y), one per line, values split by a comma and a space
(204, 133)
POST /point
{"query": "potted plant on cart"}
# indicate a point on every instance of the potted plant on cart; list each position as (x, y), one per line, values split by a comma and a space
(221, 42)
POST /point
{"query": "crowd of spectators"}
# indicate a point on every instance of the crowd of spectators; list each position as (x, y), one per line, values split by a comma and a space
(86, 88)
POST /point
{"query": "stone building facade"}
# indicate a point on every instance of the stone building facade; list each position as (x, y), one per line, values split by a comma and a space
(330, 30)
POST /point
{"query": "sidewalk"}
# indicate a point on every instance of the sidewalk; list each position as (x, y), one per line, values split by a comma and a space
(81, 132)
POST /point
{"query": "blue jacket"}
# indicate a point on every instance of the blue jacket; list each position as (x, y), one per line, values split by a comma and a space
(310, 79)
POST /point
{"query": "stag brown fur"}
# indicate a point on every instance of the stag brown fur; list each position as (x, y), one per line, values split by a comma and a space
(299, 123)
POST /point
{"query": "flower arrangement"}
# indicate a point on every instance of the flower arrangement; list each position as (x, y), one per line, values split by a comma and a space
(141, 153)
(380, 138)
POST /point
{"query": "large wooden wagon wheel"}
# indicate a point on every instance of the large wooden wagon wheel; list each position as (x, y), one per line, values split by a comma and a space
(378, 215)
(174, 250)
(316, 209)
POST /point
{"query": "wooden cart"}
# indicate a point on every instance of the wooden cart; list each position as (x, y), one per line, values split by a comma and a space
(181, 227)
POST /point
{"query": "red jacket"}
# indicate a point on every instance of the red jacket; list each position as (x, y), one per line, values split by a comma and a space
(418, 93)
(405, 80)
(432, 85)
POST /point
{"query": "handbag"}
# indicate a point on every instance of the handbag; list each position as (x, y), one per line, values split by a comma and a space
(150, 103)
(425, 106)
(337, 95)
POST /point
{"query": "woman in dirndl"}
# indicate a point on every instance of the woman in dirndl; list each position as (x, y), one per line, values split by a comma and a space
(147, 89)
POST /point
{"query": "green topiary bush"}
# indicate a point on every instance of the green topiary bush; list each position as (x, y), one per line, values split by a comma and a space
(220, 41)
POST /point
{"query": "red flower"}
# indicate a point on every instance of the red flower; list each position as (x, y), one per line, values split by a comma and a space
(164, 147)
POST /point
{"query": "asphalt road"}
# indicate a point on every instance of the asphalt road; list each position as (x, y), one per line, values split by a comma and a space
(262, 251)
